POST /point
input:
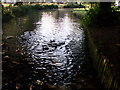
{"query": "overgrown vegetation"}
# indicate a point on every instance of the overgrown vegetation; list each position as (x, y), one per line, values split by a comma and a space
(74, 6)
(80, 12)
(95, 17)
(20, 10)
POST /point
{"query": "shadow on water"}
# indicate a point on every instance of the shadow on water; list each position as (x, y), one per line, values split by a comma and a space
(46, 50)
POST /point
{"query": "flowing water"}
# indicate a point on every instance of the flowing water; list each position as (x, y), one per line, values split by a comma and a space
(45, 49)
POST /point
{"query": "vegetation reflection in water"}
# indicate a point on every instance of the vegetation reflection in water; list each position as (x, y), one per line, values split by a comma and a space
(55, 47)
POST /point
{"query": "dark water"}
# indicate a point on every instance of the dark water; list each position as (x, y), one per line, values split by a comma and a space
(45, 49)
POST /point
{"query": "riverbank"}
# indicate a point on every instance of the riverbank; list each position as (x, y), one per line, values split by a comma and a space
(108, 42)
(104, 49)
(105, 38)
(104, 45)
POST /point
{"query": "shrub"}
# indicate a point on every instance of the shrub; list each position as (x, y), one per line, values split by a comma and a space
(74, 6)
(91, 18)
(50, 6)
(6, 13)
(38, 7)
(95, 17)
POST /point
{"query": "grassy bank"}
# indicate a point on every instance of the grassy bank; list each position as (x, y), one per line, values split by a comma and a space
(80, 12)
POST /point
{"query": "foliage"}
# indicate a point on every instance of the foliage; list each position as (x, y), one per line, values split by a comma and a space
(116, 8)
(20, 10)
(99, 17)
(50, 6)
(18, 4)
(6, 13)
(38, 7)
(74, 6)
(80, 13)
(10, 12)
(91, 17)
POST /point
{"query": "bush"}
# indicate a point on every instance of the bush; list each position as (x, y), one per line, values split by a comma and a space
(95, 17)
(6, 13)
(74, 6)
(38, 7)
(92, 17)
(50, 6)
(21, 10)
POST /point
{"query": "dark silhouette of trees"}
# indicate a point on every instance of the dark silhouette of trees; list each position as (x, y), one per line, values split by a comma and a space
(18, 4)
(102, 14)
(106, 12)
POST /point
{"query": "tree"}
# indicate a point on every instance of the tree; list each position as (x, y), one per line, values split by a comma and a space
(105, 6)
(18, 4)
(106, 12)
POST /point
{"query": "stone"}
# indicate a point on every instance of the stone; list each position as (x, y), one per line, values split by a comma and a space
(9, 37)
(38, 82)
(6, 57)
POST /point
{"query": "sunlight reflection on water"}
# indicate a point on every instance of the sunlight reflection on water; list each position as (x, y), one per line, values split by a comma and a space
(55, 47)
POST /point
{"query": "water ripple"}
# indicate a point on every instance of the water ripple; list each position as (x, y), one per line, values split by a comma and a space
(55, 47)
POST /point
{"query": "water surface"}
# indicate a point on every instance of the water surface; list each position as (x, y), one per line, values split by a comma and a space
(44, 49)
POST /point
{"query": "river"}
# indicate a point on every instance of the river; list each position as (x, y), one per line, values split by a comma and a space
(46, 50)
